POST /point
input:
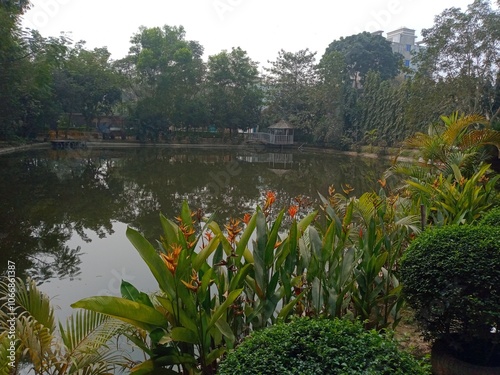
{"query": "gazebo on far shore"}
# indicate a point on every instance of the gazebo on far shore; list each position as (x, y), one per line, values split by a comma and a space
(281, 133)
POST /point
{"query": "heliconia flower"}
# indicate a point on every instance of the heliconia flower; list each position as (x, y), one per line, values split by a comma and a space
(361, 232)
(194, 284)
(270, 199)
(382, 182)
(347, 188)
(233, 229)
(331, 190)
(172, 257)
(208, 236)
(277, 244)
(292, 211)
(246, 218)
(186, 230)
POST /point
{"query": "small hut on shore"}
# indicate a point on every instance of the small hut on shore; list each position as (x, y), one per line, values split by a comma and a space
(281, 133)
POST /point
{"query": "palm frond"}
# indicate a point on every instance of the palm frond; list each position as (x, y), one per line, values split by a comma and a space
(86, 333)
(32, 302)
(456, 130)
(5, 368)
(481, 137)
(36, 341)
(410, 222)
(419, 172)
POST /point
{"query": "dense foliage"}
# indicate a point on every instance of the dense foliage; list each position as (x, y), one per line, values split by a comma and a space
(354, 94)
(492, 218)
(451, 278)
(318, 346)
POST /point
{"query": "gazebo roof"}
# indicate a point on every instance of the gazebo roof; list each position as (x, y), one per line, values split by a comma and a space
(282, 124)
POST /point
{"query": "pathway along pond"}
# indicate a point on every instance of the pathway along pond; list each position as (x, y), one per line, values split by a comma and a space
(64, 214)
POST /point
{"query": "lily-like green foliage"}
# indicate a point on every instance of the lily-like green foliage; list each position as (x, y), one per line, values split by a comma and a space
(82, 346)
(201, 309)
(353, 269)
(454, 198)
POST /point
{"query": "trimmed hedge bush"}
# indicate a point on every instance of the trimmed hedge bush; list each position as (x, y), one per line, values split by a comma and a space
(492, 217)
(451, 278)
(319, 346)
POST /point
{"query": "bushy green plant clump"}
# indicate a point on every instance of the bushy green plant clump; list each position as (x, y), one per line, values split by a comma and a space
(451, 277)
(319, 346)
(492, 217)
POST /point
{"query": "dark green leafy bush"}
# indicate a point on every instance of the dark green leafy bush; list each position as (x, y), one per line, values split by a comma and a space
(492, 217)
(319, 346)
(451, 278)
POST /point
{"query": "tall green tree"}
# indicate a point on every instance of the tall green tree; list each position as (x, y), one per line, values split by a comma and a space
(463, 49)
(168, 75)
(87, 83)
(364, 52)
(330, 100)
(290, 81)
(234, 91)
(12, 66)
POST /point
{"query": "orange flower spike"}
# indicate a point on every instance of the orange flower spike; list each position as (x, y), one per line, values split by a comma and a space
(168, 260)
(209, 236)
(347, 188)
(382, 182)
(246, 218)
(178, 219)
(278, 244)
(270, 199)
(292, 211)
(176, 250)
(331, 190)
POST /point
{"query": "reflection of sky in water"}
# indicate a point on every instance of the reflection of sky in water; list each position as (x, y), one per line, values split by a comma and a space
(105, 263)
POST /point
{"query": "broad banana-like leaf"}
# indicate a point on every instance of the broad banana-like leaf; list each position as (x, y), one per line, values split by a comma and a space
(184, 335)
(132, 312)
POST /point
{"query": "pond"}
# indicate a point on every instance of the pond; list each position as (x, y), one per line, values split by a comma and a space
(64, 214)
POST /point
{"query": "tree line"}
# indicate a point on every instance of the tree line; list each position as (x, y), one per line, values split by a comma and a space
(357, 92)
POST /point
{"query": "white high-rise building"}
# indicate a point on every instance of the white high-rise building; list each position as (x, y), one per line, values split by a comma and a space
(403, 42)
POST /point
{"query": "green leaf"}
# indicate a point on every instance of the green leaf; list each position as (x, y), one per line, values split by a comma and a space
(223, 307)
(153, 261)
(128, 291)
(285, 311)
(225, 329)
(184, 335)
(135, 313)
(202, 256)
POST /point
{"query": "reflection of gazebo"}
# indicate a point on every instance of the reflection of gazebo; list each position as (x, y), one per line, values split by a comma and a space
(281, 133)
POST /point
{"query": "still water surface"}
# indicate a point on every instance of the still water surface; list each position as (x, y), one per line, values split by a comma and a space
(63, 214)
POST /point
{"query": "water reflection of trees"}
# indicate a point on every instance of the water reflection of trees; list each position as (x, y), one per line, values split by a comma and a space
(48, 198)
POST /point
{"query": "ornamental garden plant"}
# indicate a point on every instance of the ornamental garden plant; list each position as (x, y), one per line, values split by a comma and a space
(319, 346)
(451, 278)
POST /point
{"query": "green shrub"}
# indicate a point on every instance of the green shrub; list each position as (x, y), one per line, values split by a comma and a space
(451, 278)
(492, 217)
(318, 346)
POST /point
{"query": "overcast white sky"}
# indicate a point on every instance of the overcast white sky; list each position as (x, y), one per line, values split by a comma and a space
(260, 27)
